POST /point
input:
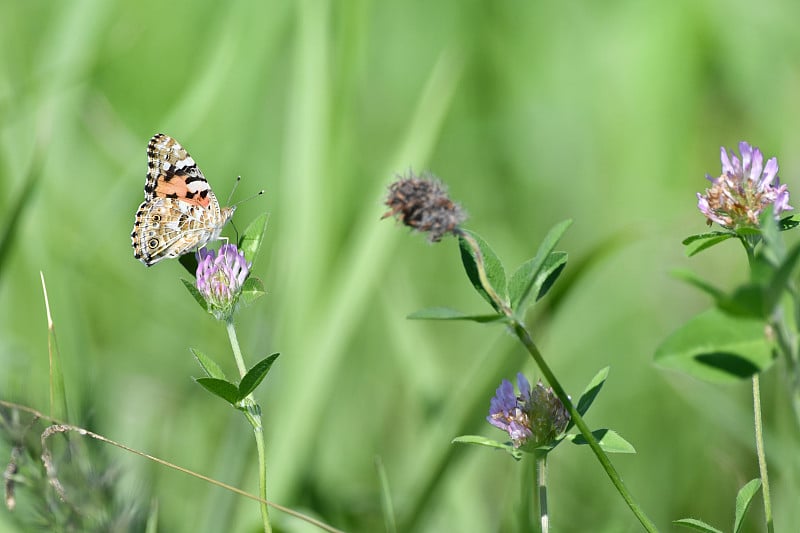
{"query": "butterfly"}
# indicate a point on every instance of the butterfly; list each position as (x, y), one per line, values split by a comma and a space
(180, 212)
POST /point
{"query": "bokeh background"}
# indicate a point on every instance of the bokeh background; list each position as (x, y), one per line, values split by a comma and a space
(532, 112)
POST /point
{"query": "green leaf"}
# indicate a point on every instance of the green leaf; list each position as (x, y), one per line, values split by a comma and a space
(526, 280)
(210, 367)
(610, 441)
(696, 281)
(445, 313)
(545, 278)
(251, 239)
(707, 243)
(222, 388)
(705, 236)
(192, 288)
(746, 301)
(591, 391)
(780, 280)
(483, 441)
(697, 525)
(252, 290)
(743, 499)
(718, 347)
(495, 273)
(189, 262)
(255, 375)
(787, 223)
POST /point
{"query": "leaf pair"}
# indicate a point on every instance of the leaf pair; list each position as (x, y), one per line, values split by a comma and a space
(217, 384)
(529, 283)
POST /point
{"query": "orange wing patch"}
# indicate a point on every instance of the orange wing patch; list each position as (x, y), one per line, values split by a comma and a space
(186, 188)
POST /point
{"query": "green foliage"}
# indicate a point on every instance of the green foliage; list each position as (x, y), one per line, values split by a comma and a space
(489, 443)
(210, 367)
(610, 441)
(191, 286)
(255, 375)
(743, 499)
(591, 391)
(718, 347)
(697, 525)
(252, 290)
(217, 384)
(445, 313)
(536, 276)
(495, 273)
(703, 241)
(252, 237)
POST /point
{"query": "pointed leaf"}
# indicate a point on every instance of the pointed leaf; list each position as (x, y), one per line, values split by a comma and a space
(746, 301)
(545, 277)
(219, 387)
(445, 313)
(610, 441)
(493, 267)
(695, 249)
(590, 393)
(189, 262)
(697, 525)
(780, 280)
(251, 239)
(483, 441)
(787, 223)
(718, 347)
(696, 281)
(704, 236)
(192, 288)
(523, 291)
(255, 375)
(592, 390)
(743, 499)
(252, 290)
(210, 367)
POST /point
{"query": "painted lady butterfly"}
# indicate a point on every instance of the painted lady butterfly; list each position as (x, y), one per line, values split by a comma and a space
(180, 212)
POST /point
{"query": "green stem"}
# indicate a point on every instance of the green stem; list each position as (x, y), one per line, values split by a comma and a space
(605, 462)
(252, 412)
(541, 490)
(762, 458)
(237, 352)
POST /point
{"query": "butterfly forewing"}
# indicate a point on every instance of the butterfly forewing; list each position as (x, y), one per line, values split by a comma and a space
(180, 212)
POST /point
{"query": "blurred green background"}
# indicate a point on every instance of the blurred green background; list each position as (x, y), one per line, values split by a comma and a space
(532, 112)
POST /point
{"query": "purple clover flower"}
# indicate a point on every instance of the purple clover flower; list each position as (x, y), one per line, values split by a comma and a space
(535, 416)
(744, 189)
(220, 277)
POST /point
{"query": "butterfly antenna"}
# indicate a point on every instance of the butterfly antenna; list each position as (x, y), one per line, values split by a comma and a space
(259, 193)
(233, 190)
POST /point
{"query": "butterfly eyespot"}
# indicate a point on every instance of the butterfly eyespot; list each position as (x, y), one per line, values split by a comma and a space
(152, 243)
(156, 218)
